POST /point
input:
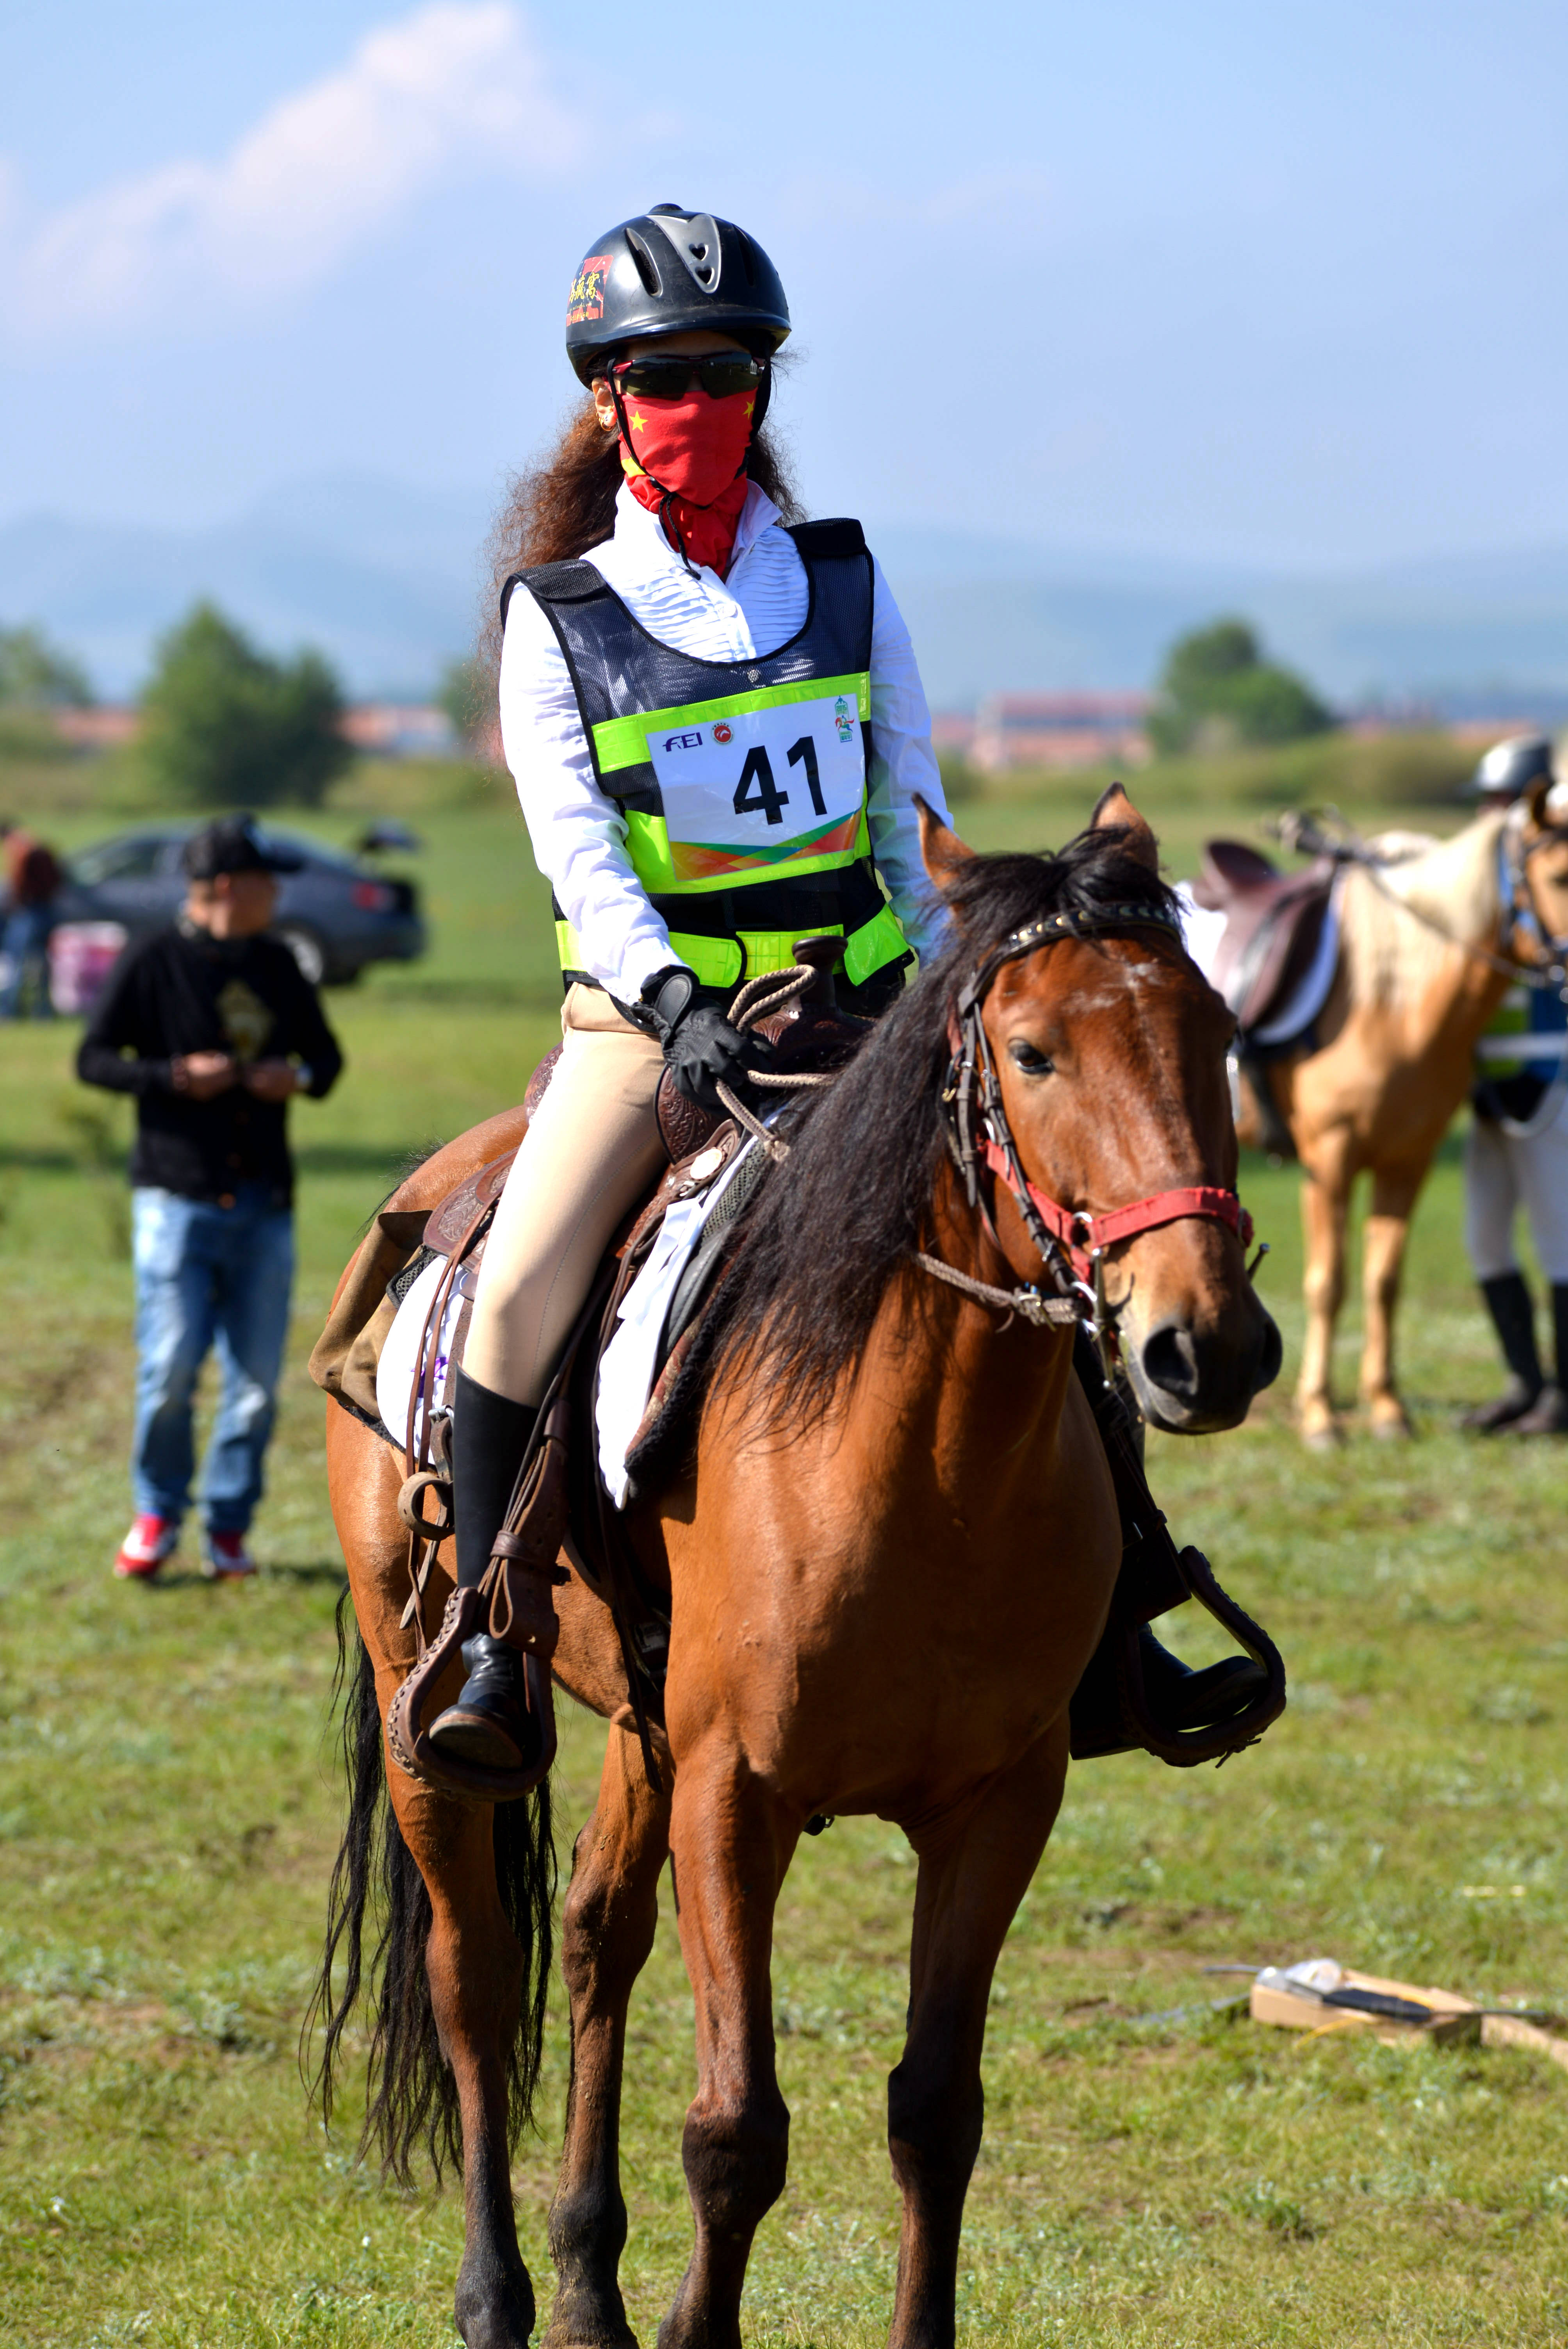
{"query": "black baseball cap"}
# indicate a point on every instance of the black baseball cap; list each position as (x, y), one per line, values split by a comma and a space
(232, 845)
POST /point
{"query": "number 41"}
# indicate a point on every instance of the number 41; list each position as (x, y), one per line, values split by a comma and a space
(768, 799)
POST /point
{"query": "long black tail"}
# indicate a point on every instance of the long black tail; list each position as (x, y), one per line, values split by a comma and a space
(412, 2097)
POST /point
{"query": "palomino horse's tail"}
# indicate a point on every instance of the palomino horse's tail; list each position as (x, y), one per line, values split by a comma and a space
(412, 2097)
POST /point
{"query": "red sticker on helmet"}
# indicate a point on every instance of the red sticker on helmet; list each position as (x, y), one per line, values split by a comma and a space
(587, 298)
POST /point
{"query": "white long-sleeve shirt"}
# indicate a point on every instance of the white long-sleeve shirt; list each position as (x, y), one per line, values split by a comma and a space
(578, 835)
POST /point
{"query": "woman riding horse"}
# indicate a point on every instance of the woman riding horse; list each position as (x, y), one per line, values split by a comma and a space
(717, 730)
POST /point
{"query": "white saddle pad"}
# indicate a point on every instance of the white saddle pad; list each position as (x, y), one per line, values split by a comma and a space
(631, 1358)
(394, 1370)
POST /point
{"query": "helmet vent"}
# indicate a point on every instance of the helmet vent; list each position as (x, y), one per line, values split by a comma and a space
(696, 243)
(647, 267)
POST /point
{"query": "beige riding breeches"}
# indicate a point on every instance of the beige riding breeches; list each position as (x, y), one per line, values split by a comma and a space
(1505, 1172)
(589, 1156)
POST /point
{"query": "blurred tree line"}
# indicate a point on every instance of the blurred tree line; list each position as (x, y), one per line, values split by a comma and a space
(224, 725)
(1217, 693)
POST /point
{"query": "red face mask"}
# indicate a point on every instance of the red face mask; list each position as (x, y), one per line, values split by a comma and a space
(685, 463)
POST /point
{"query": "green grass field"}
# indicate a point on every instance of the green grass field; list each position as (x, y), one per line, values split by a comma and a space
(1156, 2170)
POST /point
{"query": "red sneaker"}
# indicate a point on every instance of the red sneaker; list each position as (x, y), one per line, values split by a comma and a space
(150, 1540)
(225, 1559)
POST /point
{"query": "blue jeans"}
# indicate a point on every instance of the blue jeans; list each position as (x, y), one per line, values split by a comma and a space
(206, 1275)
(25, 943)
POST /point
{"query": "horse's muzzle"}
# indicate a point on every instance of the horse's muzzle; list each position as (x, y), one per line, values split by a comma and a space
(1190, 1383)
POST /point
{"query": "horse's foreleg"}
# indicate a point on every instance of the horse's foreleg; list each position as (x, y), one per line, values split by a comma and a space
(731, 1845)
(1324, 1198)
(1382, 1260)
(607, 1931)
(474, 1967)
(971, 1882)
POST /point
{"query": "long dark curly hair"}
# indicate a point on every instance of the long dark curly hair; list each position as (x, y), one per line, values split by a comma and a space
(565, 503)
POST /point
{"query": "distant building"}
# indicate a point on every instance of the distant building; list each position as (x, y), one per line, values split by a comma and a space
(379, 729)
(401, 729)
(104, 727)
(952, 731)
(1060, 730)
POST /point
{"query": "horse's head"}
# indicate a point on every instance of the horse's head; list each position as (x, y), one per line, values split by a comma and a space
(1543, 862)
(1110, 1050)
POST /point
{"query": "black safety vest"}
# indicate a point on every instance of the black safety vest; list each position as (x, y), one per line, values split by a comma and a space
(744, 838)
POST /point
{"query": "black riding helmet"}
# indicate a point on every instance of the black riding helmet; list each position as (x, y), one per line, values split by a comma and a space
(1510, 768)
(665, 272)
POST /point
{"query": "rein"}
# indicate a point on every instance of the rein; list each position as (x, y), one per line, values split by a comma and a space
(1071, 1242)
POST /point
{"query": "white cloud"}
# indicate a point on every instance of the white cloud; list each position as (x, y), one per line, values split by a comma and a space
(456, 89)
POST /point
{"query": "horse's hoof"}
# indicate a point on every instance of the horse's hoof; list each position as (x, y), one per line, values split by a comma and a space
(1324, 1439)
(1392, 1430)
(574, 2337)
(494, 2306)
(575, 2323)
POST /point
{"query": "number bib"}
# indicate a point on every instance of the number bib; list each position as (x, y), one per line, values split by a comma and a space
(762, 788)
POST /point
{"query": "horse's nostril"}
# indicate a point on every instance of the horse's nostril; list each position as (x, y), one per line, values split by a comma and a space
(1171, 1360)
(1271, 1356)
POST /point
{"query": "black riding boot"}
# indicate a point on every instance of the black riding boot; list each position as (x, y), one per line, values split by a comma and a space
(1548, 1414)
(1509, 1301)
(1178, 1698)
(489, 1725)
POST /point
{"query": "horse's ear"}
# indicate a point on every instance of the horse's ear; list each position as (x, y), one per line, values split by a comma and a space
(943, 853)
(1114, 807)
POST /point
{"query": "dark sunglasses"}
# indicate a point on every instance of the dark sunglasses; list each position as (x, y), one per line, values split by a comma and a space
(721, 374)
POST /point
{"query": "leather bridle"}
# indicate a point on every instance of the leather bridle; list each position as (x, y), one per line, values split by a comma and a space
(1517, 908)
(1071, 1241)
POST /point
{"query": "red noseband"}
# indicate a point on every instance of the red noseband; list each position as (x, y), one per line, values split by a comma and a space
(1082, 1234)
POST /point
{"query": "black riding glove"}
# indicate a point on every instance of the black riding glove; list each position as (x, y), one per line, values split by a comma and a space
(702, 1048)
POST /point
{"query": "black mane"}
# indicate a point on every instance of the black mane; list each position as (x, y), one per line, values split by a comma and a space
(853, 1201)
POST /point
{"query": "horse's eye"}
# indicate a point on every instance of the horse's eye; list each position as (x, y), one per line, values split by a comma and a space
(1028, 1057)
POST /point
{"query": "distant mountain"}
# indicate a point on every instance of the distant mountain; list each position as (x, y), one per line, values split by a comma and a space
(389, 581)
(385, 579)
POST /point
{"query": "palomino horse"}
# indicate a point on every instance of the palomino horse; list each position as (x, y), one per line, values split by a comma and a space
(1426, 944)
(890, 1559)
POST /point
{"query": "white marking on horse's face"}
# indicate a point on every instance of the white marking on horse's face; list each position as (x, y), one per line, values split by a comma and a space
(1136, 976)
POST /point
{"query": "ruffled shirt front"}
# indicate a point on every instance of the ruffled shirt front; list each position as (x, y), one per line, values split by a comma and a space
(578, 834)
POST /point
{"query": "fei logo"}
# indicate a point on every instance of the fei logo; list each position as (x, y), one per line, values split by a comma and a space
(724, 734)
(842, 719)
(684, 741)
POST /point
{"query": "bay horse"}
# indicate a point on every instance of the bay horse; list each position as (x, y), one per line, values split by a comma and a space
(888, 1558)
(1428, 945)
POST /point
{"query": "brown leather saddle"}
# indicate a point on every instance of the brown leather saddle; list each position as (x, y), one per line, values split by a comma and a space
(1273, 922)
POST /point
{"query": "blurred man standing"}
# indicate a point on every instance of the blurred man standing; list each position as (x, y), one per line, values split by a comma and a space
(211, 1025)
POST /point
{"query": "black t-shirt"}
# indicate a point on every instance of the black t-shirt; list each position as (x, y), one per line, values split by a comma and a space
(185, 992)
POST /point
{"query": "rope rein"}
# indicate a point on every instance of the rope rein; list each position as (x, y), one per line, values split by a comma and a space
(756, 1001)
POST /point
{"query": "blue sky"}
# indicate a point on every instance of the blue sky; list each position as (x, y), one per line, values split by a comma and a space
(1283, 285)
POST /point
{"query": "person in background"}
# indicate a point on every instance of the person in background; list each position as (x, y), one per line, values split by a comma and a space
(1516, 1154)
(33, 879)
(210, 1024)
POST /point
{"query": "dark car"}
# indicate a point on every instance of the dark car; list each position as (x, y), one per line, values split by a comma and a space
(336, 914)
